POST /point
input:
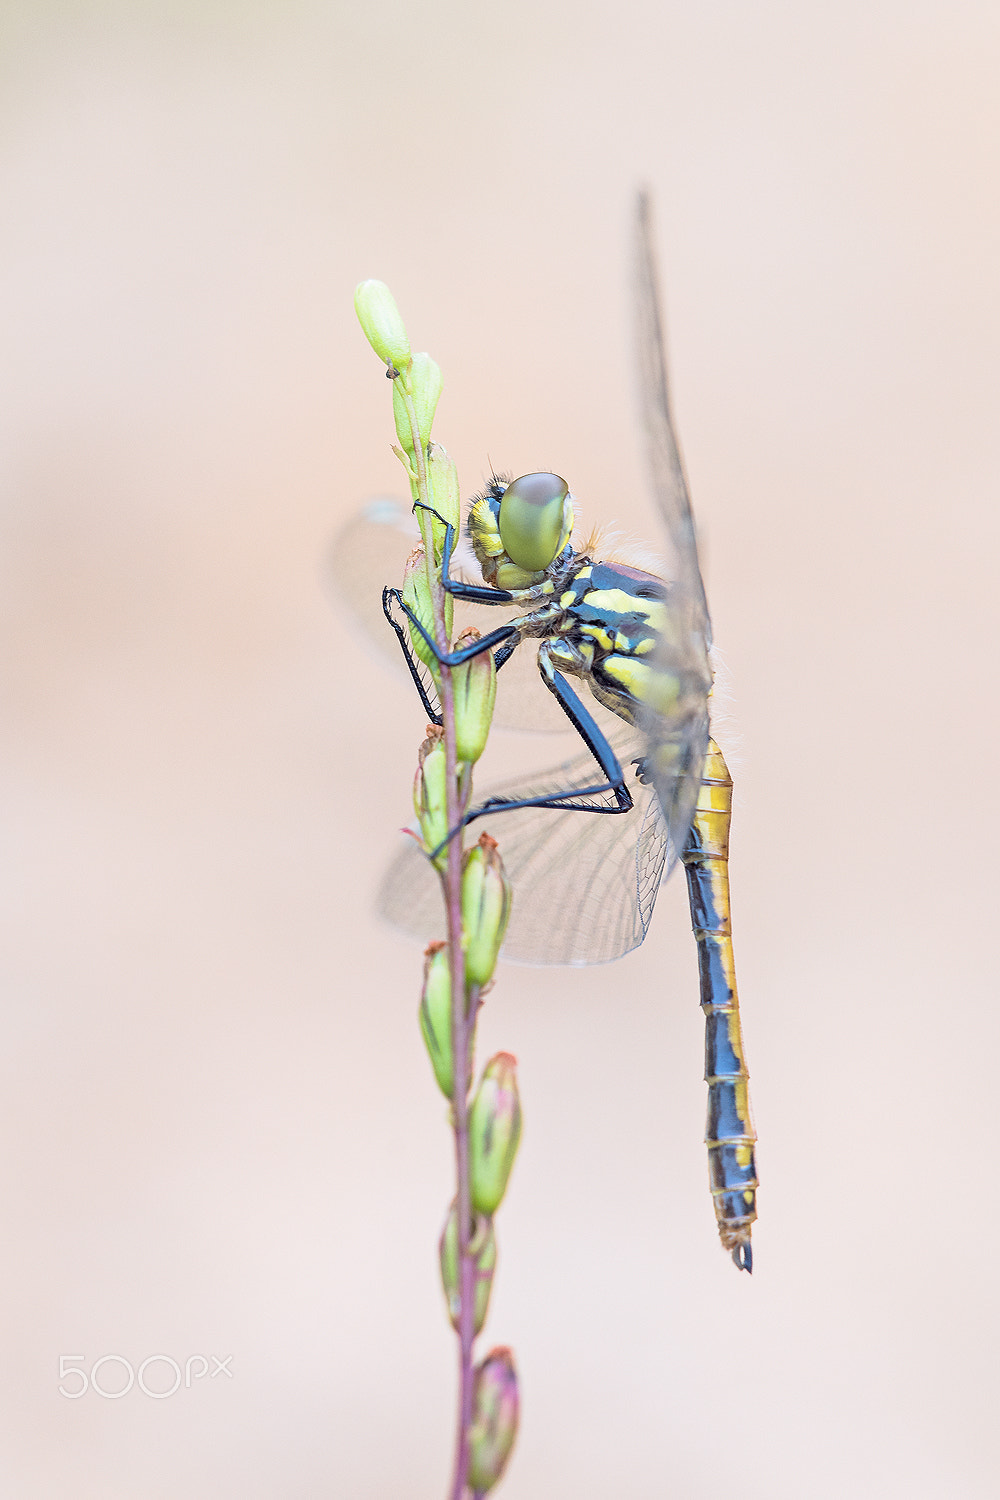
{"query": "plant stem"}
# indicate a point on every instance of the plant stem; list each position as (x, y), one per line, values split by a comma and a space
(463, 1012)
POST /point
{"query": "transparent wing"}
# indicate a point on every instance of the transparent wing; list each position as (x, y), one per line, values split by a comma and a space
(367, 553)
(584, 883)
(677, 725)
(370, 552)
(667, 479)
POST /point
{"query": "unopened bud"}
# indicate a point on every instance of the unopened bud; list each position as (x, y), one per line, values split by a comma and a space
(494, 1419)
(486, 898)
(435, 1015)
(445, 492)
(381, 323)
(494, 1131)
(483, 1251)
(436, 1019)
(474, 684)
(417, 595)
(430, 793)
(423, 383)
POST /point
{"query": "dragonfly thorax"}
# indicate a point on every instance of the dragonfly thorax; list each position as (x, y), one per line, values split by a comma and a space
(606, 626)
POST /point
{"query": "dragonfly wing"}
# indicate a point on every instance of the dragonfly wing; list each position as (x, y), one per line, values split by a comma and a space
(369, 552)
(663, 456)
(675, 756)
(584, 883)
(523, 700)
(677, 731)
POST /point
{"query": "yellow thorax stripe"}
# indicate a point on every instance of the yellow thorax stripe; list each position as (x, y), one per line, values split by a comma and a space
(657, 688)
(652, 612)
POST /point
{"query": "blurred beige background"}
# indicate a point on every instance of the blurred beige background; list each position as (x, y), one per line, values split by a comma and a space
(221, 1136)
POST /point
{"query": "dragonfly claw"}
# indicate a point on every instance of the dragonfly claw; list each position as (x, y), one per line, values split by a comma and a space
(743, 1258)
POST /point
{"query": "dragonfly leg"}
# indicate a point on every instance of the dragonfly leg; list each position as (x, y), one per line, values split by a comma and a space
(411, 662)
(478, 593)
(464, 653)
(578, 799)
(729, 1135)
(414, 666)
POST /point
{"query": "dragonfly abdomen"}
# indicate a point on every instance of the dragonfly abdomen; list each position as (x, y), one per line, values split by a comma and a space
(729, 1133)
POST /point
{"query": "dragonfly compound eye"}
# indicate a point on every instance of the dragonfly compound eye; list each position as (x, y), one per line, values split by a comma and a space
(536, 517)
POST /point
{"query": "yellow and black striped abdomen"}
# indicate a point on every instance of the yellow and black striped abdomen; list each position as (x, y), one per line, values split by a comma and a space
(729, 1134)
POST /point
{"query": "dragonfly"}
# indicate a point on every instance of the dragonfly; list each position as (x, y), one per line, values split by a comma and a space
(588, 843)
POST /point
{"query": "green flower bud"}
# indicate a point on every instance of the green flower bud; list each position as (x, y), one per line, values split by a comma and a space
(494, 1419)
(446, 496)
(435, 1015)
(380, 321)
(494, 1131)
(486, 898)
(483, 1250)
(475, 688)
(429, 794)
(417, 594)
(423, 383)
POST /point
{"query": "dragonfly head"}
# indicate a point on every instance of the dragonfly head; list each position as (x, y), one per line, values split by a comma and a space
(519, 527)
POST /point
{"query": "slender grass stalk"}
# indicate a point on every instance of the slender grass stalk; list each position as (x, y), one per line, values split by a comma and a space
(451, 879)
(477, 902)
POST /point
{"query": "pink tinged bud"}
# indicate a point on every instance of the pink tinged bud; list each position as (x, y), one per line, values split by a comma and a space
(423, 384)
(475, 688)
(494, 1419)
(486, 899)
(494, 1131)
(380, 321)
(483, 1250)
(417, 595)
(430, 798)
(435, 1016)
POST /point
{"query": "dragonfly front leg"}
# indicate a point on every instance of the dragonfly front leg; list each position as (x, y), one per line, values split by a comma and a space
(392, 596)
(729, 1134)
(477, 592)
(577, 799)
(449, 658)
